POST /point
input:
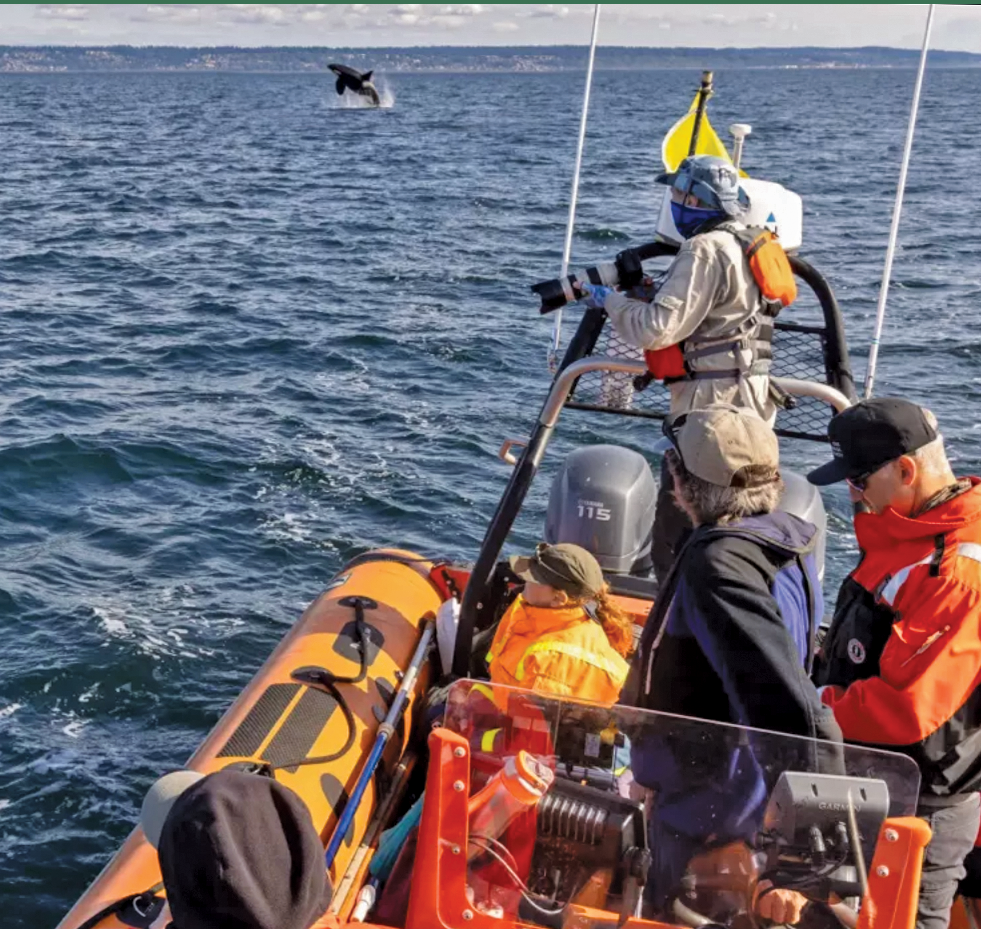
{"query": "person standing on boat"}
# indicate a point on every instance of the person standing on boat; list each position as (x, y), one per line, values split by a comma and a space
(730, 638)
(708, 310)
(901, 663)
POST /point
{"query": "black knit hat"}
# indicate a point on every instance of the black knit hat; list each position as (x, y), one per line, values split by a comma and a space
(239, 851)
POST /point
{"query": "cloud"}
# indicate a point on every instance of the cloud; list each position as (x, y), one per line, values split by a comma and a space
(454, 22)
(765, 20)
(465, 9)
(313, 16)
(70, 13)
(169, 14)
(450, 16)
(454, 16)
(253, 14)
(546, 11)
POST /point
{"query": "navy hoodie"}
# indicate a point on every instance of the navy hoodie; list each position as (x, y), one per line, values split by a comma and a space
(729, 640)
(730, 635)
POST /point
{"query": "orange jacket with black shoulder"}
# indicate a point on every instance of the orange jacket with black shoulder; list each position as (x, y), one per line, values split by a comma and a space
(902, 660)
(556, 651)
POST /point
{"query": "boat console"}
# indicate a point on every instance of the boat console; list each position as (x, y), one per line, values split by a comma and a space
(738, 810)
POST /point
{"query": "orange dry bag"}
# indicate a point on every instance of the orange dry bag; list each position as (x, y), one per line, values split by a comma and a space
(769, 264)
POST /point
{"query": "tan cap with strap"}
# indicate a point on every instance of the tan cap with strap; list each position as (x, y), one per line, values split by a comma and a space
(718, 444)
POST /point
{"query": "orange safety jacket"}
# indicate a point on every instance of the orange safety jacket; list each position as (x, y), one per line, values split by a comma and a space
(901, 664)
(557, 651)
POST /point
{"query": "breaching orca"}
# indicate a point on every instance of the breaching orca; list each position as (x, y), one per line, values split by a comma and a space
(356, 82)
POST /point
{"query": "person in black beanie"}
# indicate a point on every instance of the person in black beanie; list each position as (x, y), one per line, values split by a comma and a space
(237, 851)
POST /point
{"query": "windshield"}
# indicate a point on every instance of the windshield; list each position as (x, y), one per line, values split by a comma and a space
(580, 812)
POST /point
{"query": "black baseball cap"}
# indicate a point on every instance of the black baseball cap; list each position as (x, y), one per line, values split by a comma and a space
(871, 434)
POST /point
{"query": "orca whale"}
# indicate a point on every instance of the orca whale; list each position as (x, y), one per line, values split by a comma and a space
(356, 82)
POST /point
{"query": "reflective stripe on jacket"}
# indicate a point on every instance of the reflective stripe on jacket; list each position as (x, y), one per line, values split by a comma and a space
(903, 655)
(558, 651)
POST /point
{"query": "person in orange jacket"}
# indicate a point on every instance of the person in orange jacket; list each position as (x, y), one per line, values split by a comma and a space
(562, 635)
(901, 663)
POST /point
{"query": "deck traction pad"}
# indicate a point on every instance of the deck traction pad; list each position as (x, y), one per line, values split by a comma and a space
(301, 729)
(259, 721)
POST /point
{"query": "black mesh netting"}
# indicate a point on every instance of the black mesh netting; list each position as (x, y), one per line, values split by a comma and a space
(798, 352)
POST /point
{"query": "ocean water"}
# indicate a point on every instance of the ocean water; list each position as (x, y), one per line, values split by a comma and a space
(249, 332)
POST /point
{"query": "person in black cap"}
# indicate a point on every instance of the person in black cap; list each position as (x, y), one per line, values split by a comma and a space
(901, 663)
(237, 851)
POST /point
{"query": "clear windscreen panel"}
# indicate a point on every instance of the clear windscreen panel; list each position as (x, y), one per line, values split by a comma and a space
(582, 814)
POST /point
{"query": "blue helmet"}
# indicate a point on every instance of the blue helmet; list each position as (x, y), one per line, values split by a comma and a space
(712, 179)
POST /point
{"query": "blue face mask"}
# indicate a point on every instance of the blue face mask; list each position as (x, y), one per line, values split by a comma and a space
(689, 219)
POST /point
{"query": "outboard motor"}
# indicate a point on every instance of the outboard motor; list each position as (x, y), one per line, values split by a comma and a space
(802, 499)
(603, 499)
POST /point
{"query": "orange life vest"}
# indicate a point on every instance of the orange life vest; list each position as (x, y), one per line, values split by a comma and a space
(773, 275)
(558, 651)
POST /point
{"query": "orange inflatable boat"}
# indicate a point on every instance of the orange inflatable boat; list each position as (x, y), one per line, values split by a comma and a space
(286, 719)
(334, 714)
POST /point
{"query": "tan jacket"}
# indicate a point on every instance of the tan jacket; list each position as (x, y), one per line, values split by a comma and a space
(707, 294)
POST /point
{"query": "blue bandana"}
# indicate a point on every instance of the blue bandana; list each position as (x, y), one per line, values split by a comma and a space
(689, 219)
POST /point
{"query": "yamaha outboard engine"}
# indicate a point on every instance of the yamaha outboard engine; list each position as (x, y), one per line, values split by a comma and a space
(603, 499)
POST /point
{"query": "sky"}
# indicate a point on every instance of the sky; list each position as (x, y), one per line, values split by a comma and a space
(956, 27)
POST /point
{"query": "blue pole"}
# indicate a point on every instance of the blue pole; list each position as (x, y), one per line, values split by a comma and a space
(385, 731)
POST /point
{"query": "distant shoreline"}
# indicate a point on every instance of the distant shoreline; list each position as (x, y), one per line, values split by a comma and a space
(457, 59)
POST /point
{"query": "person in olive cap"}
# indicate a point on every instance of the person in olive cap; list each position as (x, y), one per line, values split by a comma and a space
(710, 306)
(730, 638)
(901, 663)
(237, 851)
(562, 635)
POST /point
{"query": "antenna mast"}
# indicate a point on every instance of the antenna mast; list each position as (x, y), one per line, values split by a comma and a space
(553, 351)
(880, 316)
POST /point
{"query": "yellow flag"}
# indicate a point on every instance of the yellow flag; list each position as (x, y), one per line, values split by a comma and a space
(674, 148)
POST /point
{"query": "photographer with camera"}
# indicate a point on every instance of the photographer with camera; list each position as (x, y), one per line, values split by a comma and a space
(707, 330)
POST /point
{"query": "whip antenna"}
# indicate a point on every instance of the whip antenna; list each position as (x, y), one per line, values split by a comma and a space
(553, 351)
(880, 316)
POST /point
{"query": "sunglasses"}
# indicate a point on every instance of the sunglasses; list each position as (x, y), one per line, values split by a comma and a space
(861, 481)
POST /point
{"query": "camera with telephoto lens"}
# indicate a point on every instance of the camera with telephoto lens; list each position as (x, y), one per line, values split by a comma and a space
(625, 271)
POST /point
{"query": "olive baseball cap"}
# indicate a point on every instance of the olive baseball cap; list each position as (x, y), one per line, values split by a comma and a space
(869, 435)
(564, 566)
(718, 443)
